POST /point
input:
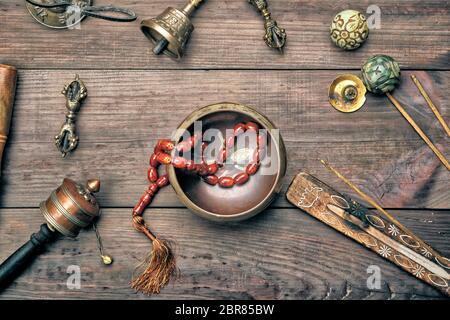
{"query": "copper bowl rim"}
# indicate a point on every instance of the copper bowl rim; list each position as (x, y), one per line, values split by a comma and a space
(281, 154)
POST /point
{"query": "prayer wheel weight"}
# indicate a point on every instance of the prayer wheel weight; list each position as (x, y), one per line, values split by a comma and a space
(69, 208)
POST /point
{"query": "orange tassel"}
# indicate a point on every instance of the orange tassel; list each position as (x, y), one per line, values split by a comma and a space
(156, 270)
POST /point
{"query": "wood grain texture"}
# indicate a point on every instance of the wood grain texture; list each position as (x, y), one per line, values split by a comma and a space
(136, 98)
(127, 111)
(229, 35)
(304, 259)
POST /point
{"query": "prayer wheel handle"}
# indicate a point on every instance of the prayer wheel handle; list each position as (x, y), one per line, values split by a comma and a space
(69, 208)
(19, 260)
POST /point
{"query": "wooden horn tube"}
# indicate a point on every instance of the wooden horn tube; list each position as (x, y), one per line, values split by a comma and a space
(8, 77)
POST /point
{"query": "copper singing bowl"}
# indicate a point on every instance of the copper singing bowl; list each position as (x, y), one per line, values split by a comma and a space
(239, 202)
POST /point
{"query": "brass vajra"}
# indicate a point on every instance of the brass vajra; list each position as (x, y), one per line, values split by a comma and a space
(275, 36)
(75, 92)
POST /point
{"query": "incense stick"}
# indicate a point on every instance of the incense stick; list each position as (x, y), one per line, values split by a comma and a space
(419, 131)
(361, 193)
(431, 104)
(373, 203)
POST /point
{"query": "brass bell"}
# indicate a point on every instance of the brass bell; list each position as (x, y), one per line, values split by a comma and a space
(170, 31)
(347, 93)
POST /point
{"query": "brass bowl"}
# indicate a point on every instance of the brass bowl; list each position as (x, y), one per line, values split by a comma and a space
(240, 202)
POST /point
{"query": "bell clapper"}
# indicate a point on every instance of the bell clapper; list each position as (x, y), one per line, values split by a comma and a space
(160, 46)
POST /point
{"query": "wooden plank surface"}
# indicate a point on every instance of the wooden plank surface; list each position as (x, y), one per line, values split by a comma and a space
(127, 111)
(228, 34)
(136, 98)
(304, 258)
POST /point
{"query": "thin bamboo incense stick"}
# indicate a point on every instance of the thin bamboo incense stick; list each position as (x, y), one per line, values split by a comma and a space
(362, 194)
(372, 202)
(431, 104)
(419, 131)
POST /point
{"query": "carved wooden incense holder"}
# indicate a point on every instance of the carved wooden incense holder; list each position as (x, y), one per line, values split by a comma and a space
(8, 78)
(390, 240)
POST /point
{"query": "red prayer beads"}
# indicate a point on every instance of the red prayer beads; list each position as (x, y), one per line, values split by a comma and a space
(206, 171)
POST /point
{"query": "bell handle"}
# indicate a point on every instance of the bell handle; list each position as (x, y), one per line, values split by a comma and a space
(19, 260)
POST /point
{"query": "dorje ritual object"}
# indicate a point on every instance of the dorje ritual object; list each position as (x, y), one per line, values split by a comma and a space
(383, 235)
(75, 92)
(349, 29)
(381, 74)
(347, 93)
(8, 78)
(62, 14)
(70, 208)
(195, 172)
(275, 36)
(170, 31)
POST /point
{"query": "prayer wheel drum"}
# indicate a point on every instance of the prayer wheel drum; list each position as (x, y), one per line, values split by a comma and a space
(240, 202)
(71, 207)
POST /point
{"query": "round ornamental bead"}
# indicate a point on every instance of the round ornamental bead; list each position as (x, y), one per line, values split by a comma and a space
(190, 165)
(381, 74)
(239, 129)
(349, 29)
(154, 161)
(163, 181)
(165, 145)
(152, 188)
(179, 162)
(226, 182)
(241, 178)
(252, 168)
(152, 174)
(212, 168)
(202, 170)
(252, 126)
(212, 180)
(163, 158)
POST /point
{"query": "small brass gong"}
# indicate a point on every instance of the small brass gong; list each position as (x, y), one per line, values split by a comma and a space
(347, 93)
(59, 17)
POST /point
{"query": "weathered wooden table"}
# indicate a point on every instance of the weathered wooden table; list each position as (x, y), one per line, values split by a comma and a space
(136, 98)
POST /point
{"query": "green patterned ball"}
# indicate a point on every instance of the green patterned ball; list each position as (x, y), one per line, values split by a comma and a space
(381, 74)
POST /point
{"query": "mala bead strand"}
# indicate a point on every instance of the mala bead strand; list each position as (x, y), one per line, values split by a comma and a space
(155, 272)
